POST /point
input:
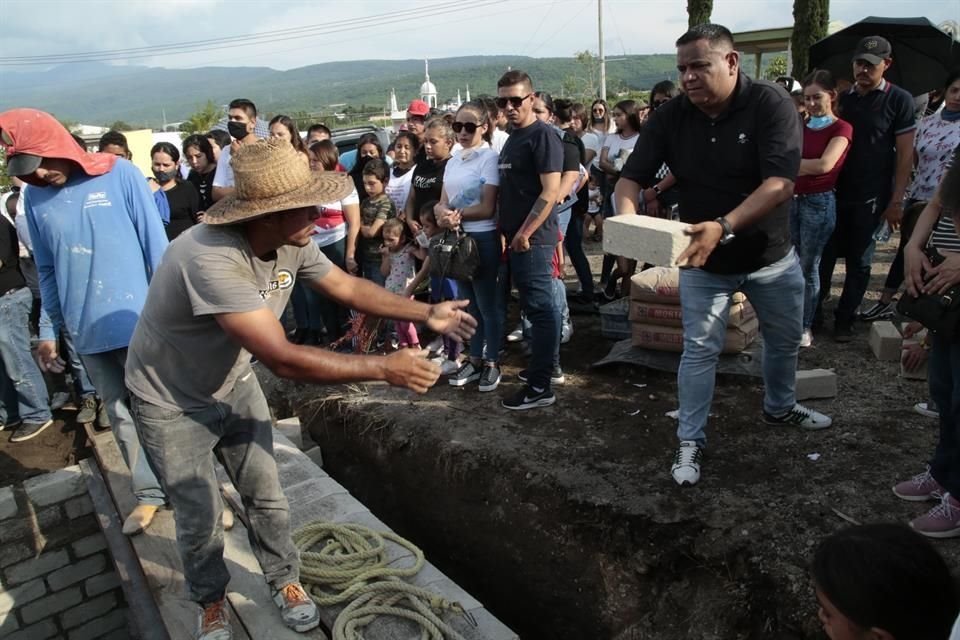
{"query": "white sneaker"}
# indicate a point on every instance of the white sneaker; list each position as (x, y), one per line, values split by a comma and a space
(927, 409)
(806, 340)
(449, 367)
(516, 335)
(566, 332)
(800, 416)
(686, 464)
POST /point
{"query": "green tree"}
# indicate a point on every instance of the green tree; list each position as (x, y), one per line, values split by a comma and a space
(120, 125)
(698, 12)
(584, 82)
(203, 120)
(776, 67)
(810, 21)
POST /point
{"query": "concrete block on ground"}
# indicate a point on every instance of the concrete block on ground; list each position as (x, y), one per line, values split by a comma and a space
(57, 486)
(49, 520)
(19, 596)
(76, 572)
(918, 375)
(315, 455)
(646, 239)
(816, 383)
(100, 584)
(885, 341)
(78, 507)
(89, 610)
(290, 427)
(51, 604)
(8, 503)
(34, 567)
(11, 553)
(39, 631)
(100, 628)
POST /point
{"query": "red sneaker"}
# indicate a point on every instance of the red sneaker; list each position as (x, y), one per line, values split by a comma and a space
(943, 521)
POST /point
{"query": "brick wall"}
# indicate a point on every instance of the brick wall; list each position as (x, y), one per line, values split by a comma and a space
(56, 575)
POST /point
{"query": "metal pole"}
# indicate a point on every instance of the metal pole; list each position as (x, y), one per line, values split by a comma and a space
(603, 60)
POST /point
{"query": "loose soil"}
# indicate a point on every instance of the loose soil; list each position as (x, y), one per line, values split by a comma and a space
(565, 522)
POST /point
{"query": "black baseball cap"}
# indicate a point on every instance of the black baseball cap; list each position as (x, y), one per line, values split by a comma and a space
(22, 164)
(873, 49)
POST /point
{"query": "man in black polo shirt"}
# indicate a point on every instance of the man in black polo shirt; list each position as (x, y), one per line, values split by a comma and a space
(874, 177)
(530, 166)
(733, 146)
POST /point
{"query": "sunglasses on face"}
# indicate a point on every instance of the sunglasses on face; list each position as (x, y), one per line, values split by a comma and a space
(470, 127)
(513, 101)
(600, 111)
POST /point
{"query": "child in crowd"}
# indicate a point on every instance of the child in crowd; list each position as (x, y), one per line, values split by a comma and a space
(594, 202)
(374, 212)
(398, 266)
(440, 288)
(883, 581)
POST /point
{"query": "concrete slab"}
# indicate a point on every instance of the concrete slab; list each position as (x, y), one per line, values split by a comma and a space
(885, 341)
(816, 383)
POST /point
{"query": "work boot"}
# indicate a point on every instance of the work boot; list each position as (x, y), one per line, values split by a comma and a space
(88, 409)
(139, 519)
(296, 608)
(103, 419)
(214, 623)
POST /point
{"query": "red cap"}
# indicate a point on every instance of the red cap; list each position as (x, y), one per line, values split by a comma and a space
(418, 108)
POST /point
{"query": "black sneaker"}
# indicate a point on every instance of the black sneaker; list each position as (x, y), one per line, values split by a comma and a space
(877, 311)
(842, 331)
(88, 409)
(29, 430)
(528, 398)
(556, 376)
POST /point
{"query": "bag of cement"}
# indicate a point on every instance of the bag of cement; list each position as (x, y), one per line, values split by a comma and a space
(648, 336)
(662, 285)
(670, 315)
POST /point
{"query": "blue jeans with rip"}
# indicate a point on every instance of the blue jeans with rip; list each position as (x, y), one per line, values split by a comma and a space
(532, 272)
(484, 297)
(943, 374)
(776, 293)
(23, 393)
(237, 431)
(813, 217)
(106, 371)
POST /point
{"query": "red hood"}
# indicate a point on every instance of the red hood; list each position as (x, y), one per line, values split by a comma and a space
(38, 133)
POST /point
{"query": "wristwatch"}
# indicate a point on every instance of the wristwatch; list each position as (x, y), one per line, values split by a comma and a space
(728, 235)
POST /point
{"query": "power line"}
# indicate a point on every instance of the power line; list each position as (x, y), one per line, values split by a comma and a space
(562, 28)
(353, 24)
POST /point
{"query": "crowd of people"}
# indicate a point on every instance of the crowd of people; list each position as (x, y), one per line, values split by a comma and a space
(138, 281)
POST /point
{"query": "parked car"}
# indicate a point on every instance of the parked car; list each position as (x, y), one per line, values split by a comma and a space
(347, 139)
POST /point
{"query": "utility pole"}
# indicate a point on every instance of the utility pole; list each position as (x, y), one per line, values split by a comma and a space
(603, 60)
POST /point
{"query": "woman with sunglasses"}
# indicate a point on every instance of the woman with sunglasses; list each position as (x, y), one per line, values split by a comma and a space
(468, 200)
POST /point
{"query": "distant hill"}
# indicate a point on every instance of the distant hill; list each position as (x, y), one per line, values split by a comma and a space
(100, 94)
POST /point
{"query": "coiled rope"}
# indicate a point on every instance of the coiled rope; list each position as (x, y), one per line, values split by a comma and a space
(348, 563)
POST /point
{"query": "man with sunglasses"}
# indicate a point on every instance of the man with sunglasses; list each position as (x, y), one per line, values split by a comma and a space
(530, 165)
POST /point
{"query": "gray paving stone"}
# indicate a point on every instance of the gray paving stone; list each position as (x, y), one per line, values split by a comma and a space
(78, 507)
(19, 596)
(99, 584)
(487, 626)
(48, 519)
(90, 544)
(89, 610)
(57, 486)
(8, 503)
(51, 604)
(330, 508)
(8, 624)
(108, 627)
(39, 631)
(29, 569)
(14, 552)
(77, 571)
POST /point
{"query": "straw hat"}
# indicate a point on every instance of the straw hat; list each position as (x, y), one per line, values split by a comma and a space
(270, 177)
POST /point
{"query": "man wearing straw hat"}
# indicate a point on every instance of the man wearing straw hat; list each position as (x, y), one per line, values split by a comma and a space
(215, 300)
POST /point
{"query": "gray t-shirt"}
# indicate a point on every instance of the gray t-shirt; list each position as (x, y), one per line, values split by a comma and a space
(179, 357)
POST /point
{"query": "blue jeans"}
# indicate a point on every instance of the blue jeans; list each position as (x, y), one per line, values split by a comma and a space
(532, 273)
(943, 374)
(573, 243)
(332, 315)
(23, 393)
(813, 217)
(106, 371)
(82, 385)
(484, 299)
(239, 432)
(559, 299)
(776, 292)
(371, 270)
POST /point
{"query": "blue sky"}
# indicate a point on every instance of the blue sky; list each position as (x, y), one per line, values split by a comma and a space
(416, 29)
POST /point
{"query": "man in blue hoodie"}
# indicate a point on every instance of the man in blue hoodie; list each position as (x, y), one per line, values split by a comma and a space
(97, 240)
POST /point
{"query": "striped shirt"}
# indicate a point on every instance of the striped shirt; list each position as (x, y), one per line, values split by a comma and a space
(945, 235)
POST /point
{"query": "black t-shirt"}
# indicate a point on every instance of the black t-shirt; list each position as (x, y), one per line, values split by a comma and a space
(184, 205)
(575, 155)
(427, 183)
(203, 183)
(718, 162)
(10, 276)
(528, 153)
(877, 119)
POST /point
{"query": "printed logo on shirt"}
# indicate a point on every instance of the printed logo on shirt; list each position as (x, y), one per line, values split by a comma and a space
(97, 199)
(284, 281)
(742, 139)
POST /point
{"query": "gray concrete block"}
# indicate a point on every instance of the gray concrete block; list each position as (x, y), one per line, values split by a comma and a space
(8, 503)
(919, 375)
(39, 631)
(816, 383)
(15, 552)
(57, 486)
(102, 583)
(885, 340)
(19, 596)
(8, 624)
(290, 427)
(77, 571)
(48, 519)
(104, 628)
(315, 455)
(488, 627)
(90, 544)
(646, 239)
(78, 507)
(101, 605)
(29, 569)
(51, 604)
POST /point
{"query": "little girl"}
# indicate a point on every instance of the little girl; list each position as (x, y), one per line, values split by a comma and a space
(398, 267)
